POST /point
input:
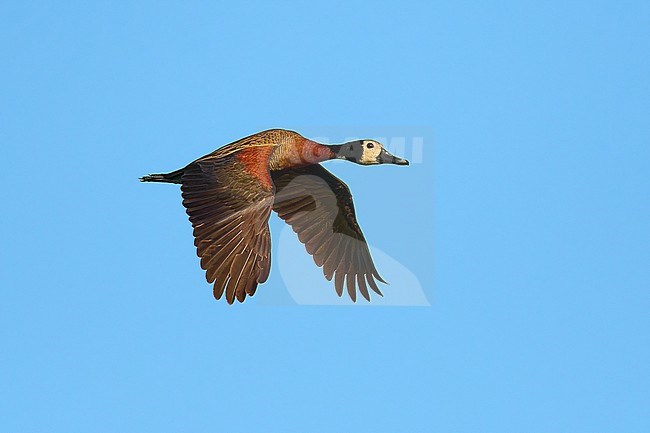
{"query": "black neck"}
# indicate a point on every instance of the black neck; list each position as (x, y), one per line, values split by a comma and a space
(350, 150)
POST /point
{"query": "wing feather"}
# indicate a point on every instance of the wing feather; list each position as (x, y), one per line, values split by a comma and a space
(229, 202)
(319, 208)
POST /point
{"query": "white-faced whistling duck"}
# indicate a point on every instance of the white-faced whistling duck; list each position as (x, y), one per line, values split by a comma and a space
(229, 195)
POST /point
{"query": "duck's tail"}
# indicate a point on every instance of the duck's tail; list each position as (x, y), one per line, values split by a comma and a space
(173, 177)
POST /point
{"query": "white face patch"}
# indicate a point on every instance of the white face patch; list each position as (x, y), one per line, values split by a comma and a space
(371, 150)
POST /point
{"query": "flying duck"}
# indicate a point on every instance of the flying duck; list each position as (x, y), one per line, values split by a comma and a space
(229, 195)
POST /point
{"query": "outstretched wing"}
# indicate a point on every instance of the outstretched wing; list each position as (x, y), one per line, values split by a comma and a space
(229, 200)
(319, 208)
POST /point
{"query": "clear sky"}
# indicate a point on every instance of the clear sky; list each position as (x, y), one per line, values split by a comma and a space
(525, 221)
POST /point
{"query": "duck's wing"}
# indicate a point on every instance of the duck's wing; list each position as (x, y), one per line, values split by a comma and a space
(319, 208)
(228, 197)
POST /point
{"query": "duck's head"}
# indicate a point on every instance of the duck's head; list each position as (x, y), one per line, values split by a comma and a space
(366, 152)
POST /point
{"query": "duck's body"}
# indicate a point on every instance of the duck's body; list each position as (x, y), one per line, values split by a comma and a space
(229, 195)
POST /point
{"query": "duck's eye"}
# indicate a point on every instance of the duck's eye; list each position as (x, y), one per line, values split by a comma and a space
(370, 145)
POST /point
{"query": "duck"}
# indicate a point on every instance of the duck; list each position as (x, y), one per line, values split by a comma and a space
(229, 195)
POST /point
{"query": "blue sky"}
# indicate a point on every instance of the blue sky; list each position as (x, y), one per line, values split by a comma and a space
(526, 223)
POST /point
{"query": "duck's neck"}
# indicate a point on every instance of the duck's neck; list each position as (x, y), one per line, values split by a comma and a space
(301, 153)
(313, 152)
